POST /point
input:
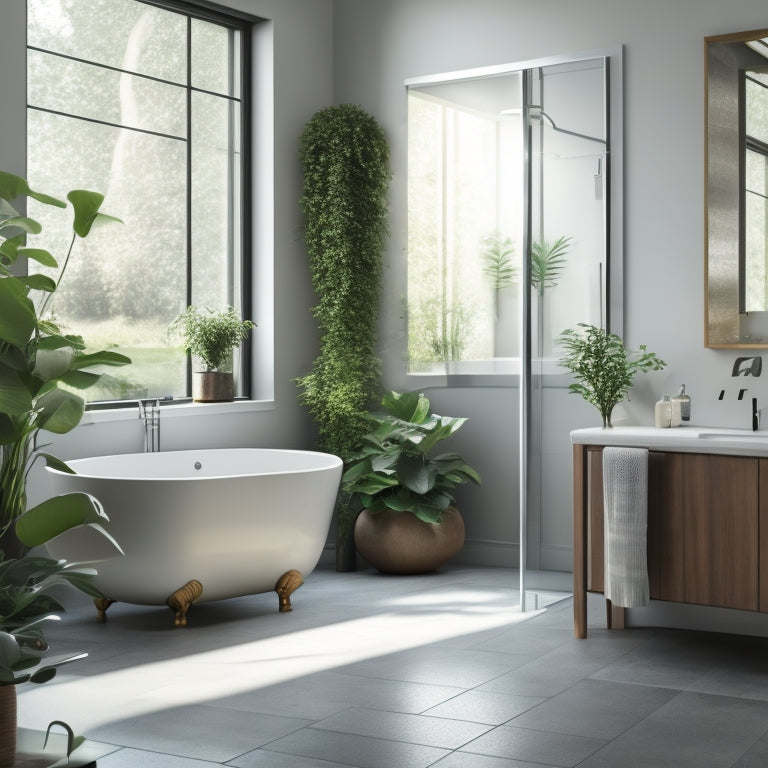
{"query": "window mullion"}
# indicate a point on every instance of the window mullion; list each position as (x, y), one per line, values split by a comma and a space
(188, 229)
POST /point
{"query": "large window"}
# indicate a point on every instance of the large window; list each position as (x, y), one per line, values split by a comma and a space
(145, 102)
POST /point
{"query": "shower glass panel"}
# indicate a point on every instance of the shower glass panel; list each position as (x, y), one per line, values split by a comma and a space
(508, 233)
(568, 166)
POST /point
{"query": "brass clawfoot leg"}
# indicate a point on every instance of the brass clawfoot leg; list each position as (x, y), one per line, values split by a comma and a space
(102, 603)
(182, 598)
(286, 585)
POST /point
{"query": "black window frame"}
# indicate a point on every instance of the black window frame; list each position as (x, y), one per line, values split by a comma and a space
(244, 23)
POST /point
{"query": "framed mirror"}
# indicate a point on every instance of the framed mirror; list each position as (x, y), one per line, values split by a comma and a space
(736, 198)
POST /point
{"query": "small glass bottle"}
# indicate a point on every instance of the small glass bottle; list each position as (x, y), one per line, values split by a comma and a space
(675, 418)
(663, 412)
(685, 403)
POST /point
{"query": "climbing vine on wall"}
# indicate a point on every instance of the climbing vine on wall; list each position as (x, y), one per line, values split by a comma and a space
(345, 158)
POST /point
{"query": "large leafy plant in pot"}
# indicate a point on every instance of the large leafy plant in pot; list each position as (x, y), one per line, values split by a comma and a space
(408, 522)
(42, 368)
(26, 603)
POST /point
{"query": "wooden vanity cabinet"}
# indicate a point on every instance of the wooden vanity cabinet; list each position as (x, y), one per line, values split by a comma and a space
(707, 529)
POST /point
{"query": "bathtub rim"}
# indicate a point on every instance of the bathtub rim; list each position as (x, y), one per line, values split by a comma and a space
(328, 462)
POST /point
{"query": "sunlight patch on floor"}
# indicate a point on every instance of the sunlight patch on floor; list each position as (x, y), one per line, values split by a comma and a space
(195, 678)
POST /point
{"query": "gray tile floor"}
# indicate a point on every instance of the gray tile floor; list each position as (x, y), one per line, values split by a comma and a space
(403, 672)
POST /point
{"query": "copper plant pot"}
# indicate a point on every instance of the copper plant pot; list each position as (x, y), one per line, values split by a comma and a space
(399, 542)
(213, 387)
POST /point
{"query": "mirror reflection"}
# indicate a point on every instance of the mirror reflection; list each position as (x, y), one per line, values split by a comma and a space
(737, 189)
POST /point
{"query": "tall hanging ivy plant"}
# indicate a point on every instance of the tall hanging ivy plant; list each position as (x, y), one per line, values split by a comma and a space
(345, 158)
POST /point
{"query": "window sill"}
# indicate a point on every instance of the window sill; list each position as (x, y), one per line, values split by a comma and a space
(174, 410)
(501, 372)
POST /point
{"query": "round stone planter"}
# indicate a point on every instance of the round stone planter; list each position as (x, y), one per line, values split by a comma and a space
(212, 387)
(398, 542)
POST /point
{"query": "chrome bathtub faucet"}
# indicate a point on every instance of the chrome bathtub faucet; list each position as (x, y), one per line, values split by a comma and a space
(149, 413)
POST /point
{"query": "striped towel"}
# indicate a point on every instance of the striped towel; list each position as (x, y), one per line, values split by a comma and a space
(625, 498)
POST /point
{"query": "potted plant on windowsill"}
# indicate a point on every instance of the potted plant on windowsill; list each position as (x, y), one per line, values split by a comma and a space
(408, 522)
(211, 337)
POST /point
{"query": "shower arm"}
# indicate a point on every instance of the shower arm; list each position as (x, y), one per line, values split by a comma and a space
(542, 114)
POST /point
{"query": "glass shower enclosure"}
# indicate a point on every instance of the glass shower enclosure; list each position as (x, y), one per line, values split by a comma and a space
(510, 242)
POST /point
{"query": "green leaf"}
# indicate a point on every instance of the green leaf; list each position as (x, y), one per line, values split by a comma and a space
(54, 516)
(10, 248)
(86, 205)
(80, 379)
(15, 397)
(43, 675)
(8, 432)
(39, 255)
(22, 222)
(58, 342)
(60, 411)
(355, 472)
(416, 474)
(408, 406)
(12, 186)
(375, 484)
(17, 312)
(39, 282)
(101, 358)
(548, 262)
(441, 430)
(55, 463)
(51, 364)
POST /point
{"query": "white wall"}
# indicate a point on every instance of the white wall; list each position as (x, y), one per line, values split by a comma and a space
(361, 51)
(296, 45)
(380, 43)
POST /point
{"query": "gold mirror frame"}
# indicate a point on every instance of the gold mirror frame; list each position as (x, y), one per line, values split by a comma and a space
(724, 326)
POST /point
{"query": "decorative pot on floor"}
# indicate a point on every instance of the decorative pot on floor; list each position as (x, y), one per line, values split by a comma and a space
(399, 542)
(213, 387)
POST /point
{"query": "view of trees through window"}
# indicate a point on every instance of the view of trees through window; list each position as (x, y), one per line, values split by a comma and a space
(143, 104)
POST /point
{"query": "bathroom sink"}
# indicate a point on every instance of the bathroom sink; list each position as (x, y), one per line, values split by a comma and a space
(743, 434)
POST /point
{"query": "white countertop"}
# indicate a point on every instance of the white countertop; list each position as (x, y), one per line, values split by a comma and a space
(735, 442)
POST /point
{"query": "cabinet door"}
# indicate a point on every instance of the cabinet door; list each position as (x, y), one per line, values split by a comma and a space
(721, 530)
(666, 526)
(763, 544)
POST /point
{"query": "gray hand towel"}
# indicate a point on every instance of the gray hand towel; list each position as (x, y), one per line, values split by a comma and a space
(625, 499)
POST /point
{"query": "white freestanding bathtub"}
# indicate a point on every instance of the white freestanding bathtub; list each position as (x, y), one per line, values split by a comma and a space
(202, 524)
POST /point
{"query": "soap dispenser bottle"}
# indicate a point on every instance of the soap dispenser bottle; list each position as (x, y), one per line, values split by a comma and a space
(663, 412)
(685, 404)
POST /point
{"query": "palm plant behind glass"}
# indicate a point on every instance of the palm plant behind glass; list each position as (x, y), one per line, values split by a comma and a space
(548, 262)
